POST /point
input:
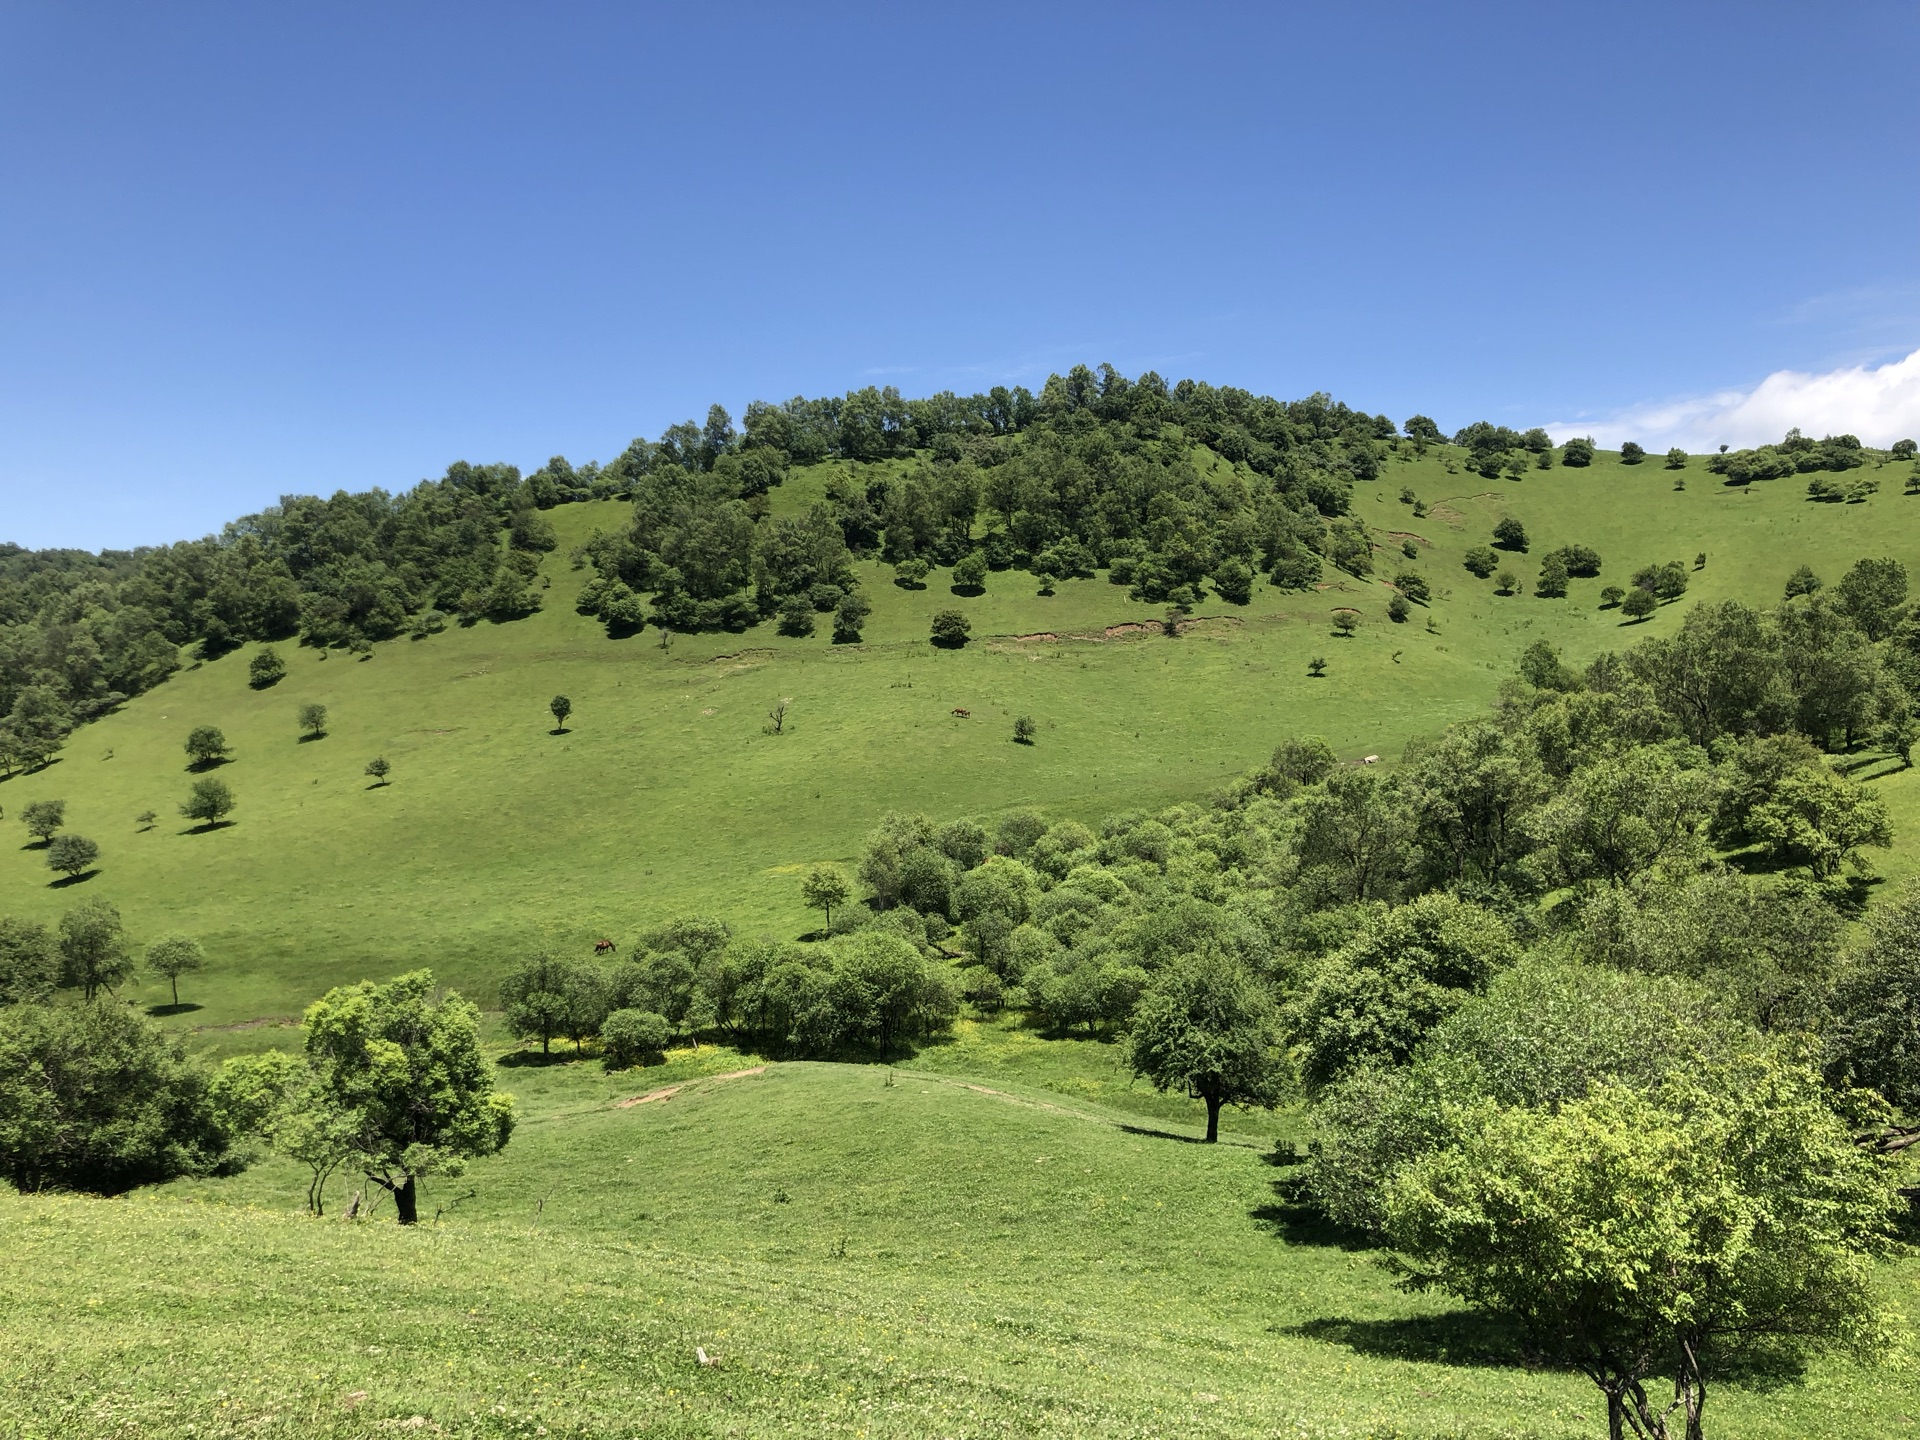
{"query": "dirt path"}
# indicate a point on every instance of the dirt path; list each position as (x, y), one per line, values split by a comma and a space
(669, 1091)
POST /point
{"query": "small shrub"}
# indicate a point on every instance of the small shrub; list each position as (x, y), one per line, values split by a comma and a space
(951, 628)
(1317, 666)
(1611, 596)
(1345, 622)
(1631, 454)
(1481, 561)
(1398, 609)
(266, 669)
(1024, 730)
(378, 768)
(1639, 603)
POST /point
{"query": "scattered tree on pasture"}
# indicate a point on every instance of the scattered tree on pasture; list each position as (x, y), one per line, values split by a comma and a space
(910, 573)
(93, 949)
(850, 618)
(951, 628)
(1632, 454)
(1413, 585)
(1481, 561)
(1578, 452)
(1301, 760)
(378, 769)
(97, 1099)
(825, 887)
(1639, 603)
(1552, 584)
(1317, 666)
(172, 956)
(1207, 1028)
(796, 617)
(146, 819)
(1510, 534)
(1345, 622)
(266, 669)
(1506, 583)
(71, 854)
(205, 746)
(1024, 730)
(1676, 459)
(43, 817)
(409, 1071)
(561, 707)
(1398, 609)
(313, 719)
(537, 998)
(970, 573)
(210, 801)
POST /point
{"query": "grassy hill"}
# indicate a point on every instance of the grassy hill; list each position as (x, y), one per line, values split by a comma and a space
(665, 795)
(865, 1251)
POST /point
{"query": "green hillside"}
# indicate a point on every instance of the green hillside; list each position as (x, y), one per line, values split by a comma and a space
(864, 1251)
(496, 837)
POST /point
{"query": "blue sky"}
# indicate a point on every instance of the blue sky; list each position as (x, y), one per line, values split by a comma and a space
(255, 249)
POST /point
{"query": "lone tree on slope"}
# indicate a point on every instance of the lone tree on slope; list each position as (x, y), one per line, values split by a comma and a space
(561, 707)
(1208, 1028)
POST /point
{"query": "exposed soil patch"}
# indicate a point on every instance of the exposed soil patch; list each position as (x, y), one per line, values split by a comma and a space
(667, 1092)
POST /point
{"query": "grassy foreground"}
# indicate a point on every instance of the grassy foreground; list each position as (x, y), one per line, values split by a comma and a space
(864, 1251)
(497, 837)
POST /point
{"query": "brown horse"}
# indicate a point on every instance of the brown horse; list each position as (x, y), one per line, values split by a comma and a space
(603, 947)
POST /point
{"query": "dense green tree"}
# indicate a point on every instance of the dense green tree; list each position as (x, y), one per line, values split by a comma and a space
(1618, 816)
(1301, 760)
(1820, 819)
(1626, 1233)
(536, 999)
(1345, 622)
(561, 707)
(1354, 835)
(172, 956)
(1467, 795)
(1207, 1028)
(277, 1098)
(43, 817)
(1406, 969)
(1552, 584)
(850, 617)
(1873, 1034)
(1398, 609)
(1803, 582)
(210, 801)
(825, 887)
(29, 961)
(1577, 452)
(266, 669)
(71, 855)
(206, 746)
(313, 719)
(93, 949)
(1413, 585)
(1873, 594)
(378, 769)
(884, 993)
(1024, 730)
(1613, 595)
(1638, 603)
(950, 628)
(408, 1069)
(1632, 454)
(633, 1037)
(970, 573)
(94, 1098)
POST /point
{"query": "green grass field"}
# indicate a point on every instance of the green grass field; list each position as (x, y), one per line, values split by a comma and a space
(1005, 1237)
(865, 1251)
(497, 837)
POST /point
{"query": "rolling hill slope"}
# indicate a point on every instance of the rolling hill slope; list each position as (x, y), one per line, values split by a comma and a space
(497, 837)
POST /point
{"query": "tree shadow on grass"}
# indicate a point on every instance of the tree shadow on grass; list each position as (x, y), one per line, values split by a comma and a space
(160, 1012)
(535, 1059)
(969, 591)
(68, 880)
(559, 730)
(201, 767)
(206, 827)
(310, 737)
(1154, 1134)
(1459, 1337)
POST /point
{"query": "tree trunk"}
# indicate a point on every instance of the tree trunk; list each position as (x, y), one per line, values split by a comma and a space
(406, 1201)
(1213, 1119)
(176, 990)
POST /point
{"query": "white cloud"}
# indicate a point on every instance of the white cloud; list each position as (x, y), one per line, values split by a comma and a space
(1880, 404)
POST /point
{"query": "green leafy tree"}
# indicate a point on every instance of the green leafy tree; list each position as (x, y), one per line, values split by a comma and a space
(1301, 760)
(1618, 816)
(313, 719)
(951, 628)
(1632, 454)
(1819, 819)
(825, 887)
(1552, 584)
(634, 1037)
(43, 817)
(1873, 594)
(561, 707)
(1803, 582)
(970, 573)
(1873, 1037)
(1413, 585)
(796, 617)
(71, 855)
(276, 1097)
(95, 1098)
(29, 961)
(1317, 666)
(1577, 453)
(172, 956)
(1611, 596)
(1627, 1233)
(1398, 609)
(1024, 730)
(206, 746)
(536, 999)
(1482, 561)
(1639, 603)
(911, 573)
(1510, 534)
(266, 669)
(1207, 1028)
(1506, 582)
(1354, 835)
(1345, 622)
(209, 802)
(408, 1069)
(1676, 459)
(379, 769)
(850, 618)
(93, 948)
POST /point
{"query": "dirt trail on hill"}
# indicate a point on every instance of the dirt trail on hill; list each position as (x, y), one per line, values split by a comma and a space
(669, 1091)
